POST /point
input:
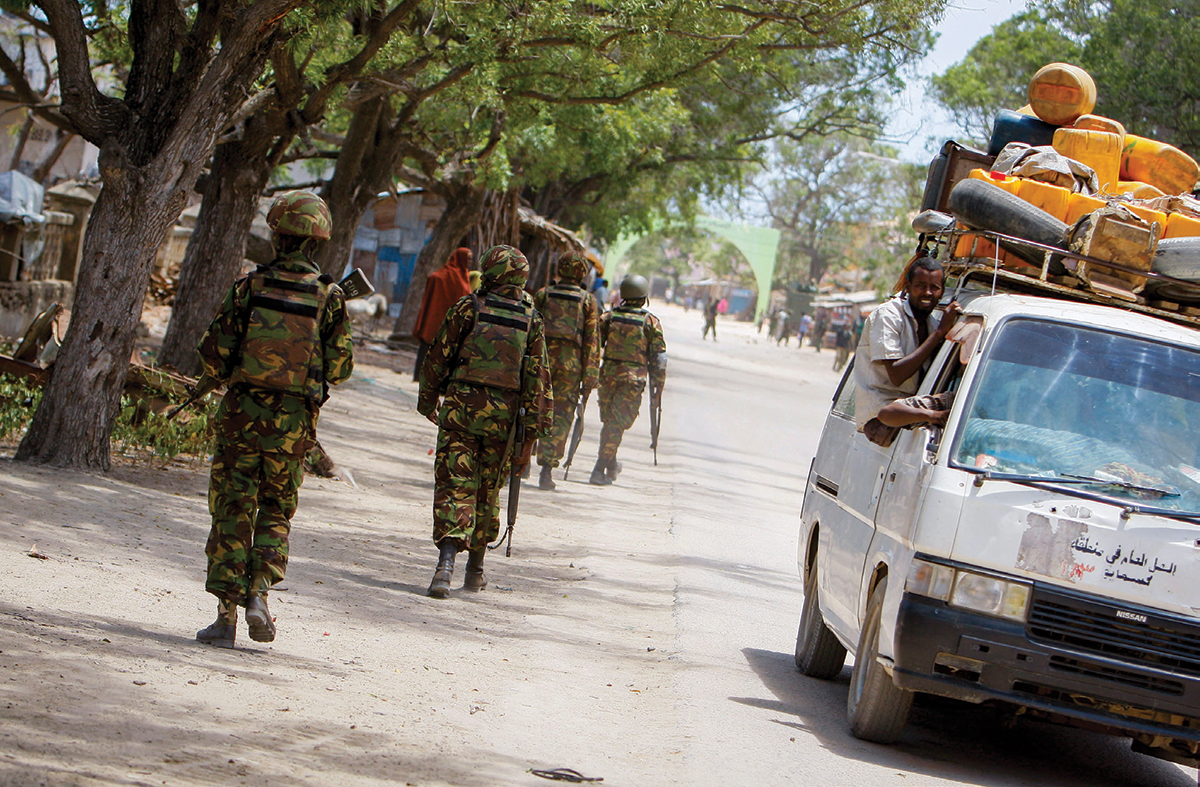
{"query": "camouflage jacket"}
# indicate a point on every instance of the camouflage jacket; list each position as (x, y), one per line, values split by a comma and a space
(655, 351)
(574, 360)
(480, 409)
(274, 419)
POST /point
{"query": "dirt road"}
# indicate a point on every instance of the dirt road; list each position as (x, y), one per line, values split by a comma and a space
(641, 633)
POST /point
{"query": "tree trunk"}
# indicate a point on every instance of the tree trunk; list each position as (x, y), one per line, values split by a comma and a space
(124, 232)
(240, 171)
(153, 143)
(364, 168)
(463, 210)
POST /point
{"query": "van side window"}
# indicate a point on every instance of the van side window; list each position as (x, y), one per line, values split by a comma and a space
(843, 401)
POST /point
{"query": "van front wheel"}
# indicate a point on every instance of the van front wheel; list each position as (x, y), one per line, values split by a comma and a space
(877, 709)
(818, 652)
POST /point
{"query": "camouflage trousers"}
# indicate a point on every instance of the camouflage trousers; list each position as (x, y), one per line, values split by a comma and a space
(620, 401)
(552, 447)
(468, 472)
(252, 497)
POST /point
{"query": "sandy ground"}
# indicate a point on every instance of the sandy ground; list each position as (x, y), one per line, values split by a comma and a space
(369, 681)
(641, 633)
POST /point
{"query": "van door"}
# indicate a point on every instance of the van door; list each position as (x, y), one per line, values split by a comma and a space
(849, 469)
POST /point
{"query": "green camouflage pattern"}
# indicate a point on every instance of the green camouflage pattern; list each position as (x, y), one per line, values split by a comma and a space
(503, 266)
(572, 267)
(491, 353)
(300, 213)
(252, 497)
(475, 422)
(261, 439)
(281, 346)
(574, 368)
(623, 381)
(626, 334)
(562, 307)
(468, 473)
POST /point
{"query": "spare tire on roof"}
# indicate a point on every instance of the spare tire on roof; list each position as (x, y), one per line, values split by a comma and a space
(984, 206)
(1178, 258)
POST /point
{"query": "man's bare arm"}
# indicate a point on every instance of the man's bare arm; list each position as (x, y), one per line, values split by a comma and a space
(900, 370)
(898, 413)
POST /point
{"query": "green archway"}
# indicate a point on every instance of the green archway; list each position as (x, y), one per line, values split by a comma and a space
(758, 244)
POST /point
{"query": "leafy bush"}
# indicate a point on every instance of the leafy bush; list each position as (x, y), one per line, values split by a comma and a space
(19, 399)
(138, 431)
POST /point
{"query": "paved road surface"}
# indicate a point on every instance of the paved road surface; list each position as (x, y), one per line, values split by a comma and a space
(745, 418)
(642, 632)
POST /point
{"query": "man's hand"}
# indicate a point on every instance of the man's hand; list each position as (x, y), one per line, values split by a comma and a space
(949, 317)
(433, 417)
(938, 417)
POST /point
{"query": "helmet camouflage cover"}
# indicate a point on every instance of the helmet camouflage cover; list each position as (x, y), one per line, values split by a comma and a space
(572, 266)
(300, 213)
(634, 286)
(503, 265)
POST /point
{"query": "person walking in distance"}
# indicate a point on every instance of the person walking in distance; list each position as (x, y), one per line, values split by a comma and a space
(634, 350)
(710, 318)
(279, 341)
(443, 288)
(487, 366)
(570, 317)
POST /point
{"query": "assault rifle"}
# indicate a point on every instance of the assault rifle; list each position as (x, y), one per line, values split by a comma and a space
(576, 433)
(655, 417)
(513, 453)
(203, 387)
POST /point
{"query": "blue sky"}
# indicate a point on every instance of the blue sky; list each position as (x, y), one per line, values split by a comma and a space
(914, 120)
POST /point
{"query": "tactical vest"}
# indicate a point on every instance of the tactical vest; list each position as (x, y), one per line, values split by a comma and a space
(627, 336)
(563, 312)
(491, 355)
(281, 348)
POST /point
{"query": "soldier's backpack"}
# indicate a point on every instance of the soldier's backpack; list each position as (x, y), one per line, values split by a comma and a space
(627, 340)
(281, 347)
(491, 355)
(563, 313)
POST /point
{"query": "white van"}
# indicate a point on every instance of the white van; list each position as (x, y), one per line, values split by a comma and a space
(1040, 552)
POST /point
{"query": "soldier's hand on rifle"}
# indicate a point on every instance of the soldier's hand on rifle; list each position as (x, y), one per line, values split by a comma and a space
(433, 418)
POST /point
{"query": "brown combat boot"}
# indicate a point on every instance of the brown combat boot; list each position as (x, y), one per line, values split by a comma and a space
(440, 586)
(613, 470)
(258, 618)
(599, 473)
(223, 630)
(475, 580)
(545, 481)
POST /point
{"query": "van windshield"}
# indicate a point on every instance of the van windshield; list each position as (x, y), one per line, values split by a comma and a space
(1099, 413)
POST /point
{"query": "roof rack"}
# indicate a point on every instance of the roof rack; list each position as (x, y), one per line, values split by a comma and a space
(971, 269)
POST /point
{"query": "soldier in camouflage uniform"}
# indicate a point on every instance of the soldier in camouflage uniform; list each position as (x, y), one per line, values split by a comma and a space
(280, 340)
(570, 315)
(634, 349)
(486, 364)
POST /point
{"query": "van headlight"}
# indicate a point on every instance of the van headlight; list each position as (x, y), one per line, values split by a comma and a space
(968, 590)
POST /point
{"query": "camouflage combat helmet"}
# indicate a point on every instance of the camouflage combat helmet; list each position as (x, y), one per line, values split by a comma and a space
(634, 287)
(300, 213)
(503, 265)
(572, 266)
